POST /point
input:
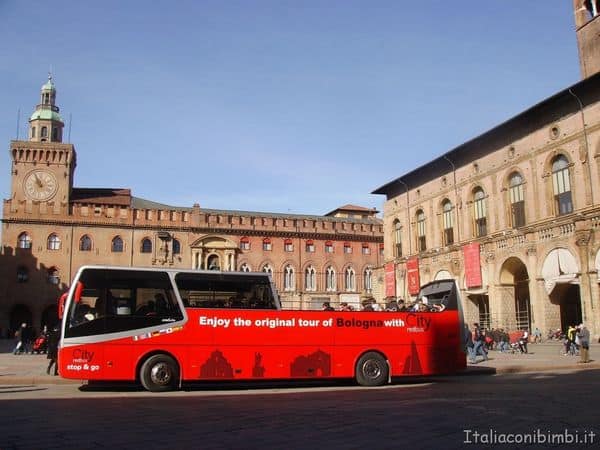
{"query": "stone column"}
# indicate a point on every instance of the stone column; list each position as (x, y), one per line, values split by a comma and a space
(582, 239)
(537, 298)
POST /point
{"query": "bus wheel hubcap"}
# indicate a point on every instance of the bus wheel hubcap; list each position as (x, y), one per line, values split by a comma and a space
(371, 369)
(161, 374)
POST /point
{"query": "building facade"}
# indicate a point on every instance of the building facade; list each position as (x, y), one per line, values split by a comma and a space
(514, 214)
(50, 228)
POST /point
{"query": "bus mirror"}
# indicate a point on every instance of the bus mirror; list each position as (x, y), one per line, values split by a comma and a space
(78, 291)
(61, 305)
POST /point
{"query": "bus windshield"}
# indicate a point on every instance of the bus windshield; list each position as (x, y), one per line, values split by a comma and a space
(114, 301)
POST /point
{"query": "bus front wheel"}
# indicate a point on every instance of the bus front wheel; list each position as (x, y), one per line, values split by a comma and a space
(372, 370)
(159, 373)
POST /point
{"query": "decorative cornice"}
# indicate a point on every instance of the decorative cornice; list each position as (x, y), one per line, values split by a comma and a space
(207, 230)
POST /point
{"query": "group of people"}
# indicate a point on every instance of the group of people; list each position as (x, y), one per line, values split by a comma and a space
(577, 340)
(422, 304)
(480, 341)
(48, 342)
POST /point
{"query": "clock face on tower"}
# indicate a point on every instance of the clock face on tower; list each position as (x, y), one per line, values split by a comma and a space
(40, 185)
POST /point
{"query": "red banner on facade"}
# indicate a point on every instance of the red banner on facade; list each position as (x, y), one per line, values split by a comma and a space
(390, 280)
(412, 271)
(472, 265)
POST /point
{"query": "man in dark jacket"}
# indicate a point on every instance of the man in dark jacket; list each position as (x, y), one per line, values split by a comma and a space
(53, 337)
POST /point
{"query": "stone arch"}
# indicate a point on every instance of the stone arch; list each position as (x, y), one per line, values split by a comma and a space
(515, 307)
(443, 275)
(560, 272)
(214, 251)
(559, 267)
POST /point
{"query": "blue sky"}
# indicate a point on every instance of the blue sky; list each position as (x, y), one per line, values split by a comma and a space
(276, 106)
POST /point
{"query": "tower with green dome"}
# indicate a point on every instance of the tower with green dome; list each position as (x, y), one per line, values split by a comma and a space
(42, 165)
(45, 124)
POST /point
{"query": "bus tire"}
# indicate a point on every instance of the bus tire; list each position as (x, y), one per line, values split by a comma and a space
(372, 369)
(159, 373)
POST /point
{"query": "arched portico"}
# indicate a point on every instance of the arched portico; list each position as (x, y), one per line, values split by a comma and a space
(514, 308)
(560, 272)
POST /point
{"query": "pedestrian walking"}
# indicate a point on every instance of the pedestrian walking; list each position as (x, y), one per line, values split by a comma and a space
(53, 337)
(584, 341)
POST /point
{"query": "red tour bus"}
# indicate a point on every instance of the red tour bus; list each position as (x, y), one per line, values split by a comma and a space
(163, 327)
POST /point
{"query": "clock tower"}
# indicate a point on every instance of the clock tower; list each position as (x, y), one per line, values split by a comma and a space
(43, 166)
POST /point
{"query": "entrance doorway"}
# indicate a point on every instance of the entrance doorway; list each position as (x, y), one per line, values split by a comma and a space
(483, 307)
(514, 273)
(568, 297)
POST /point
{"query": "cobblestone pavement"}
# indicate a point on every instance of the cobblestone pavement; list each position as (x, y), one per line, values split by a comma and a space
(540, 394)
(444, 412)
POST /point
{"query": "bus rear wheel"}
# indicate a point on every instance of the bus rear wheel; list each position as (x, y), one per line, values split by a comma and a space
(159, 373)
(372, 370)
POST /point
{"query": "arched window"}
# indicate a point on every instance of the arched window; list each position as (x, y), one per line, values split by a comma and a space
(350, 280)
(245, 243)
(176, 246)
(368, 279)
(53, 276)
(289, 278)
(55, 134)
(245, 267)
(593, 7)
(32, 132)
(146, 246)
(116, 245)
(517, 200)
(44, 132)
(53, 242)
(330, 284)
(448, 221)
(85, 243)
(421, 240)
(22, 274)
(24, 240)
(213, 262)
(397, 238)
(561, 184)
(479, 212)
(267, 269)
(310, 279)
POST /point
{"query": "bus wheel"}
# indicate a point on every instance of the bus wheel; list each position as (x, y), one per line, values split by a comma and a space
(159, 373)
(372, 370)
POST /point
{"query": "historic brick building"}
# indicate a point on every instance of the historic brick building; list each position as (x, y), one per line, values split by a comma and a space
(50, 229)
(513, 214)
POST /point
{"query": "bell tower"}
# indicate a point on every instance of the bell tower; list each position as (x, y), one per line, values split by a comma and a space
(42, 166)
(587, 28)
